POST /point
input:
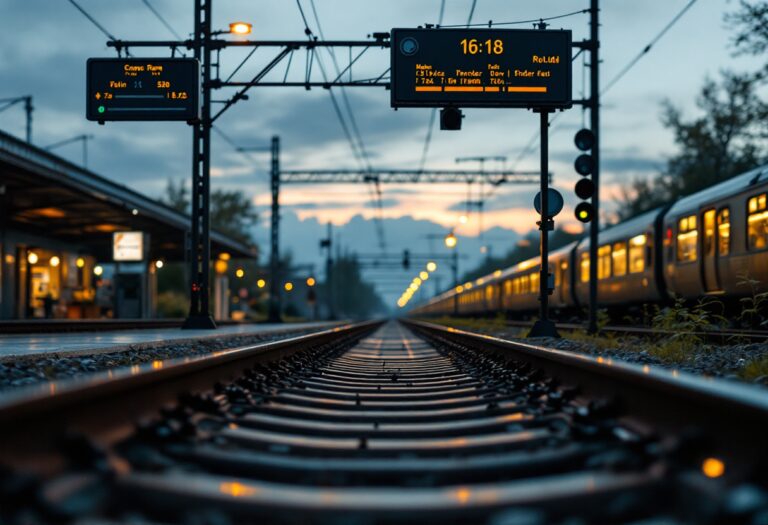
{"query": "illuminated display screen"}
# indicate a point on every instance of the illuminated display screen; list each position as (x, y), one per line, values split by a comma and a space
(143, 89)
(128, 246)
(481, 67)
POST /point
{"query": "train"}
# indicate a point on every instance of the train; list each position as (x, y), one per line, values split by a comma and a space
(706, 244)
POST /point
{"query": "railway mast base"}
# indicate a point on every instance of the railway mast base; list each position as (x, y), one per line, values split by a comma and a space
(199, 322)
(544, 328)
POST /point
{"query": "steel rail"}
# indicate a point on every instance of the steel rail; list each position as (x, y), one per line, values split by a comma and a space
(106, 405)
(730, 417)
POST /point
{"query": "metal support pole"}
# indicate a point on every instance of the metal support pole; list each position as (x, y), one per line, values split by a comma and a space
(329, 280)
(544, 327)
(275, 306)
(455, 269)
(594, 113)
(28, 109)
(200, 257)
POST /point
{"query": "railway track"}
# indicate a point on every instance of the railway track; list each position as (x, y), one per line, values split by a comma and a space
(395, 423)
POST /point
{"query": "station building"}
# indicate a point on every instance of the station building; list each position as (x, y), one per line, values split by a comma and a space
(75, 245)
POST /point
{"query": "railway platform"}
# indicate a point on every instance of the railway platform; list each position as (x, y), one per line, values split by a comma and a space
(13, 346)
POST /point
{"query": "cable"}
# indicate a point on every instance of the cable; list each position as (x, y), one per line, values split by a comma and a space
(162, 20)
(433, 113)
(647, 48)
(517, 22)
(471, 13)
(237, 148)
(92, 20)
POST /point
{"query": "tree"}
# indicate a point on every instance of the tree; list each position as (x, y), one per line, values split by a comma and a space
(232, 213)
(750, 23)
(353, 296)
(727, 139)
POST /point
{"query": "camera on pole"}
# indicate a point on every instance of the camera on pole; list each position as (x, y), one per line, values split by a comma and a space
(585, 166)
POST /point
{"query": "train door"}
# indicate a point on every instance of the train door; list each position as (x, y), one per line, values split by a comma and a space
(709, 251)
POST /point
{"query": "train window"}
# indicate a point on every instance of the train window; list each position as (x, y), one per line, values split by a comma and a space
(619, 259)
(708, 220)
(507, 287)
(604, 262)
(724, 231)
(757, 223)
(534, 280)
(687, 238)
(516, 286)
(524, 284)
(584, 267)
(488, 292)
(637, 254)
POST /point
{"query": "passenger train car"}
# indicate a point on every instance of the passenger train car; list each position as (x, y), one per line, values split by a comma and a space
(704, 244)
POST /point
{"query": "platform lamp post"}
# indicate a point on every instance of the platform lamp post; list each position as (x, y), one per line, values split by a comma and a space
(451, 242)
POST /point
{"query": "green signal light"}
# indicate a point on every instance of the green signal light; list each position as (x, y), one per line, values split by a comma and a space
(101, 109)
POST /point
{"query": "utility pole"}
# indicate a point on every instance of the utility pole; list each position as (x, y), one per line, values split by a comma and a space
(200, 257)
(275, 303)
(327, 244)
(594, 114)
(27, 99)
(82, 138)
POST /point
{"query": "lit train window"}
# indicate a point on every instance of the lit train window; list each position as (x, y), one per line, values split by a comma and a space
(709, 232)
(524, 284)
(687, 239)
(724, 231)
(604, 262)
(534, 280)
(757, 223)
(584, 267)
(507, 287)
(516, 285)
(637, 254)
(488, 292)
(619, 259)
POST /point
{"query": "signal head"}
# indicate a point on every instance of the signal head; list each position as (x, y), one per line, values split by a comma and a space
(584, 164)
(584, 212)
(450, 118)
(585, 188)
(584, 139)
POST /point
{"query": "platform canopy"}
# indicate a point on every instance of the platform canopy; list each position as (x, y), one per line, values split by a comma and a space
(45, 195)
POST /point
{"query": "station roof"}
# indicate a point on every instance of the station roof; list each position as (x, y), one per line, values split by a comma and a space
(51, 197)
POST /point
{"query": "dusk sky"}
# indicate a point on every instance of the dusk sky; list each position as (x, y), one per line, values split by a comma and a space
(44, 45)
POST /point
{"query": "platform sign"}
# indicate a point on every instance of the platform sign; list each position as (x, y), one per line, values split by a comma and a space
(481, 68)
(128, 246)
(143, 89)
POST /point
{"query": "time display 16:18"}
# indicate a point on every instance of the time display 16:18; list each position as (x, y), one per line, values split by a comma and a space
(473, 46)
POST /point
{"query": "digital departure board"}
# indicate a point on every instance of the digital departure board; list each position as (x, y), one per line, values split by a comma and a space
(143, 89)
(481, 67)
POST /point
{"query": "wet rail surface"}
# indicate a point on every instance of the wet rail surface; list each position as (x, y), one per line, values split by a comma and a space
(390, 429)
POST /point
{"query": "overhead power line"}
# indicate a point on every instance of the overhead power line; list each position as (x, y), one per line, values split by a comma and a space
(161, 19)
(491, 23)
(87, 15)
(647, 48)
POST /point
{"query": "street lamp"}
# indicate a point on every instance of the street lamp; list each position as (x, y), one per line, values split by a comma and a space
(450, 240)
(240, 28)
(431, 266)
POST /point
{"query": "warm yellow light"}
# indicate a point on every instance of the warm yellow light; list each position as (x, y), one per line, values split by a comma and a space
(431, 266)
(583, 214)
(32, 258)
(497, 273)
(713, 468)
(55, 261)
(416, 281)
(459, 289)
(80, 262)
(450, 240)
(468, 286)
(413, 287)
(463, 219)
(310, 281)
(638, 241)
(288, 286)
(98, 270)
(159, 264)
(240, 28)
(261, 283)
(224, 256)
(220, 266)
(239, 273)
(424, 276)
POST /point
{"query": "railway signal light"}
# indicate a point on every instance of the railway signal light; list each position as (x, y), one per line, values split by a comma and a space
(584, 166)
(450, 118)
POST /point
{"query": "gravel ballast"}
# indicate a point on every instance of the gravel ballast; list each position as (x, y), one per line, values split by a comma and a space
(23, 371)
